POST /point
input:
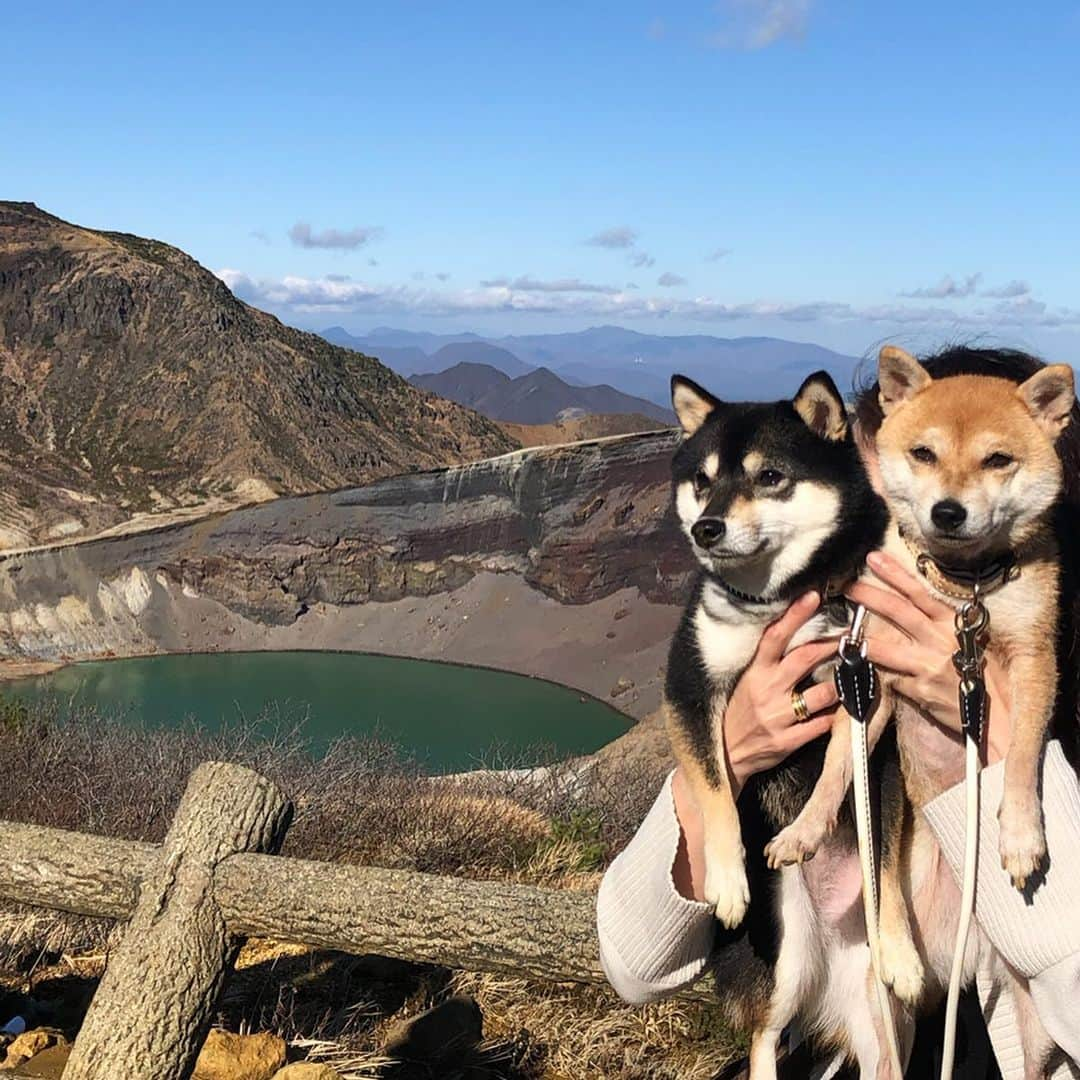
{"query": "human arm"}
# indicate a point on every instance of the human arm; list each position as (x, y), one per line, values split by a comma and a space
(655, 932)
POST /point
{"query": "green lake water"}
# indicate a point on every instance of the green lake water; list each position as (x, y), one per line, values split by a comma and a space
(447, 716)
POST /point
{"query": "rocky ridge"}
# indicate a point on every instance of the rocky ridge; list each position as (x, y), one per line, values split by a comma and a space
(132, 380)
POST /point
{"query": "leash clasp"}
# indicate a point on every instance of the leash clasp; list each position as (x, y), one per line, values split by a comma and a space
(971, 622)
(854, 675)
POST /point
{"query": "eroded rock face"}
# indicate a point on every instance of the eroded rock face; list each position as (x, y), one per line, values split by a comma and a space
(569, 526)
(577, 523)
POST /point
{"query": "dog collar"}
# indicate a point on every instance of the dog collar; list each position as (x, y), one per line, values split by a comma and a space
(738, 594)
(964, 582)
(828, 595)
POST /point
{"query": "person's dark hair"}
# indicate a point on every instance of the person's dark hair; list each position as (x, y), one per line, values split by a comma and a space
(1017, 367)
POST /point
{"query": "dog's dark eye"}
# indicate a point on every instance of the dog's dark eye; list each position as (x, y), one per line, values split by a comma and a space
(769, 477)
(924, 454)
(997, 461)
(701, 481)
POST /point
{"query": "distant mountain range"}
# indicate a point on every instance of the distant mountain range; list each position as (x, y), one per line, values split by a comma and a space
(539, 397)
(479, 353)
(641, 365)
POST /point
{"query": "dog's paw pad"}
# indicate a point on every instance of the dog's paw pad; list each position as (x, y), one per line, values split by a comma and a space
(728, 890)
(1022, 864)
(902, 970)
(1022, 846)
(795, 844)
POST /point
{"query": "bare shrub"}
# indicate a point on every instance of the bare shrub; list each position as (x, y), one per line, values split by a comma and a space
(364, 802)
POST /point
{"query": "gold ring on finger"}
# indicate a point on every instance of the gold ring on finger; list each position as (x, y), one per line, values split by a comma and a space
(798, 706)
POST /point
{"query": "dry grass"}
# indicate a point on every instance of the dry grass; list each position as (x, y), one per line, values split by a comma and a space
(361, 803)
(580, 1031)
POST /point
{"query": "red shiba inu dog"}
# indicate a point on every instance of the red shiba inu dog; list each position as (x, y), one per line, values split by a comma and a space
(971, 477)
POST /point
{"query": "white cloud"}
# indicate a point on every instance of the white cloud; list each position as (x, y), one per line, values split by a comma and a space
(558, 285)
(302, 235)
(1009, 291)
(947, 288)
(323, 295)
(757, 24)
(618, 236)
(717, 254)
(668, 280)
(622, 238)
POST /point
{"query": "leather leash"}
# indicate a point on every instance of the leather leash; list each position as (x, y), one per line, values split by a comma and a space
(971, 623)
(857, 687)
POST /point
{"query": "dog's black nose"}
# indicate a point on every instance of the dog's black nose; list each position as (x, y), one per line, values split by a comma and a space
(948, 514)
(706, 531)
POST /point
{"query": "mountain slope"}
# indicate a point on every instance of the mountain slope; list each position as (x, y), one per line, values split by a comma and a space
(536, 398)
(579, 429)
(131, 379)
(477, 352)
(405, 352)
(467, 384)
(404, 359)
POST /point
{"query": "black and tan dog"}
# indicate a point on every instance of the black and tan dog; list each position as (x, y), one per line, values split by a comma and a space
(775, 501)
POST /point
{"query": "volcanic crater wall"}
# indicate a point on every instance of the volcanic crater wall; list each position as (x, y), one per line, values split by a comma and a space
(576, 525)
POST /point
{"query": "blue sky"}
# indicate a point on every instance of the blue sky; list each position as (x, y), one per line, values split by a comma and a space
(825, 171)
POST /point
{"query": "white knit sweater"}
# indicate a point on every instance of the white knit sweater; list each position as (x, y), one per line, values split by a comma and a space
(653, 941)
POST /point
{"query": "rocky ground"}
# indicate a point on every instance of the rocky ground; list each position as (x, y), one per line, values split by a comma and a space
(408, 1023)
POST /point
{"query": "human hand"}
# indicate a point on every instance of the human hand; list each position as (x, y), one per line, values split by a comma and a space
(760, 728)
(915, 638)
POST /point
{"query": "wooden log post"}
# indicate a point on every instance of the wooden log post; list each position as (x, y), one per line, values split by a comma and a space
(524, 930)
(153, 1008)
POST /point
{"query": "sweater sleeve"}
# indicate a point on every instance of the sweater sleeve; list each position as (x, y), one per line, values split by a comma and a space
(1032, 930)
(653, 941)
(1037, 932)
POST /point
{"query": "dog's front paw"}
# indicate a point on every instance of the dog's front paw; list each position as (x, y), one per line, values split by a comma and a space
(796, 843)
(1021, 840)
(902, 968)
(726, 887)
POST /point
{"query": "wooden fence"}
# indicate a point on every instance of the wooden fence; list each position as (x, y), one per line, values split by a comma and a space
(216, 879)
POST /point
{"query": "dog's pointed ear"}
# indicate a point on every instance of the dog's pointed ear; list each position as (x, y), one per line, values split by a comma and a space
(693, 405)
(900, 377)
(1049, 395)
(821, 407)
